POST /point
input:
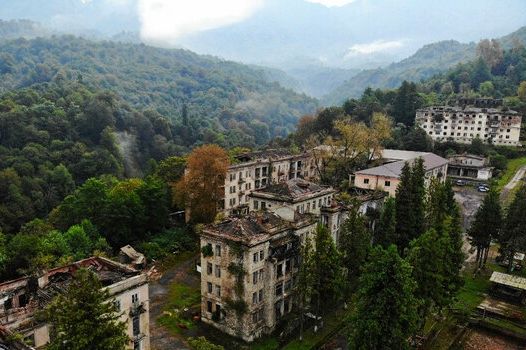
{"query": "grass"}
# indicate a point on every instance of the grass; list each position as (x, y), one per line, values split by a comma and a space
(180, 297)
(511, 168)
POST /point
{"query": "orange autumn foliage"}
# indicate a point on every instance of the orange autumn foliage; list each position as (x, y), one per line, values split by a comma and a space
(201, 188)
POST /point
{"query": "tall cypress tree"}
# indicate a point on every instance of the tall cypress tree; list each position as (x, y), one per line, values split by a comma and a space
(386, 308)
(404, 208)
(513, 237)
(487, 225)
(418, 191)
(385, 233)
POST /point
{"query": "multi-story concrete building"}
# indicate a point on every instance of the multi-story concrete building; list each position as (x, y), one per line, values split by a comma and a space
(256, 170)
(22, 298)
(476, 118)
(249, 264)
(386, 177)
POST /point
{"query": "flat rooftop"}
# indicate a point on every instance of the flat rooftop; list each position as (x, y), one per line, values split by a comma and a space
(508, 280)
(292, 190)
(394, 169)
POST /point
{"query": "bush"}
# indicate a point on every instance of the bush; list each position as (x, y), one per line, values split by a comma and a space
(201, 343)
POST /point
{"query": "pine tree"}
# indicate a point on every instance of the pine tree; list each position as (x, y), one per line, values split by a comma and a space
(385, 233)
(386, 309)
(418, 190)
(404, 209)
(486, 225)
(354, 246)
(327, 272)
(305, 280)
(84, 318)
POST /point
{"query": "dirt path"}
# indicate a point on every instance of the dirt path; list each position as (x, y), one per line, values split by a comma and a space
(513, 182)
(160, 338)
(469, 201)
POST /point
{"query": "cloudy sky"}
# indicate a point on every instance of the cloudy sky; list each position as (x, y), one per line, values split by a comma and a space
(333, 32)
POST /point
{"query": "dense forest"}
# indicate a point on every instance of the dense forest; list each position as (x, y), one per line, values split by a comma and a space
(208, 100)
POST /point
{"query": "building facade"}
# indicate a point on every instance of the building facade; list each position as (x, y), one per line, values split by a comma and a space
(257, 170)
(469, 167)
(249, 270)
(477, 118)
(386, 177)
(22, 298)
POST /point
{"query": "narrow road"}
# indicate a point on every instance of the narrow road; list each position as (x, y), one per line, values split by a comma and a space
(513, 182)
(160, 337)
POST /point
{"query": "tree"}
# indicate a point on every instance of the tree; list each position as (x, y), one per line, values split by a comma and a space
(200, 189)
(386, 308)
(490, 51)
(201, 343)
(354, 245)
(305, 280)
(418, 190)
(427, 256)
(521, 91)
(385, 233)
(486, 225)
(171, 169)
(327, 271)
(486, 89)
(84, 318)
(512, 238)
(406, 103)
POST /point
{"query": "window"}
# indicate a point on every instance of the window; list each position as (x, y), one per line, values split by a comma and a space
(136, 325)
(209, 287)
(260, 295)
(255, 277)
(279, 289)
(365, 181)
(258, 172)
(256, 184)
(254, 298)
(218, 290)
(263, 205)
(255, 257)
(135, 298)
(288, 266)
(209, 268)
(209, 306)
(313, 205)
(218, 250)
(218, 271)
(261, 274)
(137, 345)
(387, 183)
(288, 285)
(261, 255)
(279, 270)
(232, 177)
(117, 304)
(256, 205)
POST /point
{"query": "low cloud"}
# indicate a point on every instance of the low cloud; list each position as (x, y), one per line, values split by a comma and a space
(374, 47)
(165, 21)
(331, 3)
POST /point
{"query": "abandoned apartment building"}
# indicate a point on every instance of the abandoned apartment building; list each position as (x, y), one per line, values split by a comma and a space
(256, 170)
(22, 298)
(263, 246)
(485, 119)
(386, 177)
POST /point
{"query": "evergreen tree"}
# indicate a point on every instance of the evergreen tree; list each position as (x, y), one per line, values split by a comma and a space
(386, 309)
(305, 280)
(513, 237)
(404, 208)
(418, 191)
(354, 246)
(83, 319)
(486, 225)
(385, 233)
(427, 256)
(327, 272)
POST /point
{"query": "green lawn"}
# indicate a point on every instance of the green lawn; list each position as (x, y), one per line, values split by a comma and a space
(179, 298)
(511, 168)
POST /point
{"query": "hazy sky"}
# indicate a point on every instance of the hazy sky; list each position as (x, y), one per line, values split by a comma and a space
(336, 32)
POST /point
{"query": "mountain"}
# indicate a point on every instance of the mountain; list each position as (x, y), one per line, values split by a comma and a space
(426, 62)
(224, 102)
(22, 28)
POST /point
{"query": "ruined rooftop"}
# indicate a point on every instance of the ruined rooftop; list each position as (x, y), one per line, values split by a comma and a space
(292, 190)
(250, 228)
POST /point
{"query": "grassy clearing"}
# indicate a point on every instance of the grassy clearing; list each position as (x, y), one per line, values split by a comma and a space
(511, 168)
(180, 297)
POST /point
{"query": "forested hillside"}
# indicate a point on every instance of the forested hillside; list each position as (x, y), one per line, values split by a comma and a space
(430, 60)
(55, 136)
(224, 102)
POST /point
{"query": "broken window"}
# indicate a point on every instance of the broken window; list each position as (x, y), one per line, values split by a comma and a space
(209, 286)
(279, 289)
(135, 298)
(279, 270)
(287, 266)
(136, 325)
(261, 255)
(255, 277)
(255, 257)
(209, 268)
(209, 306)
(218, 250)
(218, 271)
(218, 290)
